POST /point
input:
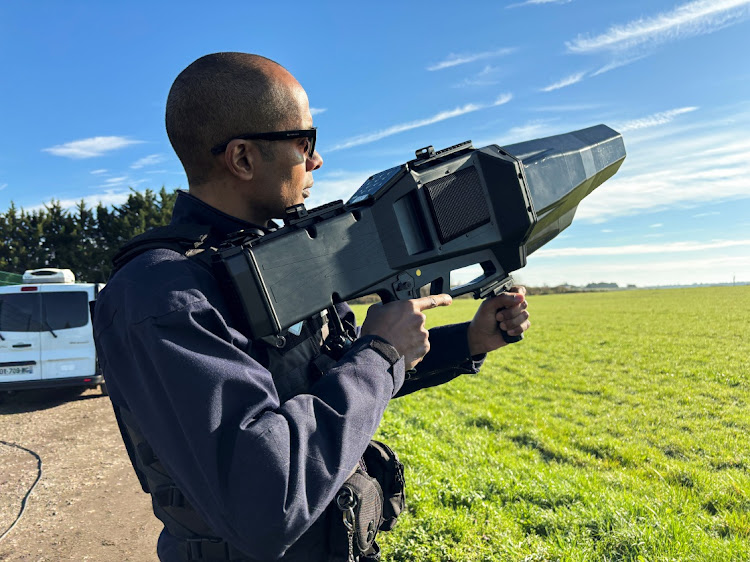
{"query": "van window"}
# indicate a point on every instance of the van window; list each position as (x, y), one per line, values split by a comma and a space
(20, 312)
(65, 309)
(39, 312)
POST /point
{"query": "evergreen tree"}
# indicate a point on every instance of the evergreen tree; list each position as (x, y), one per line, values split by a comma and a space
(8, 228)
(31, 240)
(61, 239)
(85, 231)
(84, 240)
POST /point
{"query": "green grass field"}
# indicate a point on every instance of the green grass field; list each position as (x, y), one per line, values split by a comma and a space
(617, 430)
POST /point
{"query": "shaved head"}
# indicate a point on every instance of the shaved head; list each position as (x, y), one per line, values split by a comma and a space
(221, 96)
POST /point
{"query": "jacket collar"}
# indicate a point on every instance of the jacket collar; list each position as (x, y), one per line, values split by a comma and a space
(188, 209)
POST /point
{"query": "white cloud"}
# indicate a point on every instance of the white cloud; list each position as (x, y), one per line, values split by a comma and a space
(676, 166)
(538, 2)
(654, 120)
(91, 147)
(455, 60)
(687, 20)
(3, 186)
(711, 214)
(400, 128)
(317, 110)
(618, 62)
(656, 225)
(98, 172)
(657, 191)
(680, 140)
(468, 82)
(653, 270)
(149, 160)
(488, 76)
(531, 130)
(117, 180)
(689, 266)
(567, 81)
(641, 249)
(502, 99)
(108, 198)
(566, 108)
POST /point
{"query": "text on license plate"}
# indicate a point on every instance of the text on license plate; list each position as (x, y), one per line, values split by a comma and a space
(16, 370)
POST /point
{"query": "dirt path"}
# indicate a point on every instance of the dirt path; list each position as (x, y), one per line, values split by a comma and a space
(88, 504)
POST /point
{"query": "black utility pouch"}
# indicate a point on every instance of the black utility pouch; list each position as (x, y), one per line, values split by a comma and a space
(383, 464)
(361, 501)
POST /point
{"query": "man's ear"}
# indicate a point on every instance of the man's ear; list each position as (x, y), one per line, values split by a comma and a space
(239, 158)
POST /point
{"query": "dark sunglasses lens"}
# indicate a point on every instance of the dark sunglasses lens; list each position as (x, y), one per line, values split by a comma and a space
(312, 139)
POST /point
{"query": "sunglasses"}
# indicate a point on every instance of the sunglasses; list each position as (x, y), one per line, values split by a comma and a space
(309, 134)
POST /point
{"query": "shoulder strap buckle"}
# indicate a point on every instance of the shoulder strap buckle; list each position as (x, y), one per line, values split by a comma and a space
(169, 496)
(205, 549)
(241, 237)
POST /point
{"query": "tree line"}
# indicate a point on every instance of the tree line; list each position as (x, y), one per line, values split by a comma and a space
(82, 239)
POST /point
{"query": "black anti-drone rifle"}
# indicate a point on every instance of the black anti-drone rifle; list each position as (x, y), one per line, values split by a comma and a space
(412, 225)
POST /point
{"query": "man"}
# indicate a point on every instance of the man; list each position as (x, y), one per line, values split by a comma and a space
(243, 446)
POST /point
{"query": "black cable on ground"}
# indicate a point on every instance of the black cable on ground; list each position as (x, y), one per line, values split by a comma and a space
(26, 497)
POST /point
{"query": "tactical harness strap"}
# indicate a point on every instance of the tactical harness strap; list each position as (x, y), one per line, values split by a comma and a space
(182, 238)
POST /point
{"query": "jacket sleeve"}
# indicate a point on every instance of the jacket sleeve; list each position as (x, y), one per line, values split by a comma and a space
(448, 358)
(259, 471)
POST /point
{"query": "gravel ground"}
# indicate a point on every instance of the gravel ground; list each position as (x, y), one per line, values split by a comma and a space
(88, 504)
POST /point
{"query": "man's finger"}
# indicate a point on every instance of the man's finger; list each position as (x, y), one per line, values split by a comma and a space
(506, 300)
(508, 312)
(509, 323)
(433, 301)
(518, 289)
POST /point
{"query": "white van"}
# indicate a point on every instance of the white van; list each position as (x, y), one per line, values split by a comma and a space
(46, 337)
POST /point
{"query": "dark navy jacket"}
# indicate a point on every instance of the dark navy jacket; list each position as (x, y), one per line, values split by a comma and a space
(259, 471)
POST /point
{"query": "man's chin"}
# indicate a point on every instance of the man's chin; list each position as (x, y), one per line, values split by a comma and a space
(306, 193)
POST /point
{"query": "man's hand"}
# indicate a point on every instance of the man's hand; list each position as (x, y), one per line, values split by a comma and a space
(401, 324)
(506, 311)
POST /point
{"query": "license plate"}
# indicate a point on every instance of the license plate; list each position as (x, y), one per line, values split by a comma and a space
(16, 370)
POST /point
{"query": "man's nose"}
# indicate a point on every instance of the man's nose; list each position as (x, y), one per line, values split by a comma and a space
(315, 162)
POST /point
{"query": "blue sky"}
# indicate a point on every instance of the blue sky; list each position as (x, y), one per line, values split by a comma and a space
(84, 86)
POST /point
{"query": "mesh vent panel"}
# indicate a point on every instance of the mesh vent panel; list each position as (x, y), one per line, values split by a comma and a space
(458, 203)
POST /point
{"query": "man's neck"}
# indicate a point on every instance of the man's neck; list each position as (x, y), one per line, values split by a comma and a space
(228, 199)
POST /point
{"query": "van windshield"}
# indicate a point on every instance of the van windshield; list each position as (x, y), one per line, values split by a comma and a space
(42, 312)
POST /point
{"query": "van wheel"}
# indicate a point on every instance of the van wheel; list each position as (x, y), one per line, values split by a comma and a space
(103, 388)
